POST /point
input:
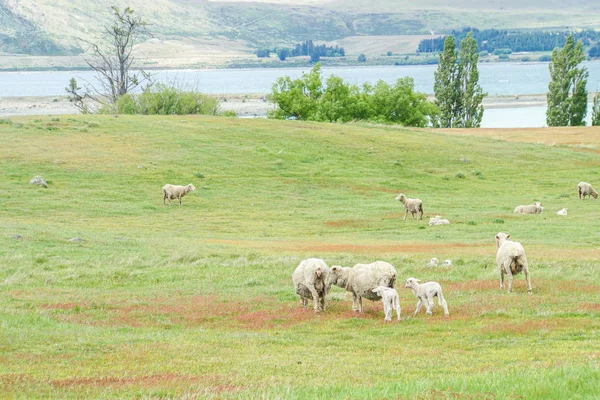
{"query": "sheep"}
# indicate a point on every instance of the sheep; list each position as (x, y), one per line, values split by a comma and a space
(562, 212)
(425, 292)
(361, 279)
(433, 262)
(530, 209)
(585, 189)
(437, 220)
(447, 263)
(171, 192)
(310, 280)
(412, 205)
(391, 301)
(511, 260)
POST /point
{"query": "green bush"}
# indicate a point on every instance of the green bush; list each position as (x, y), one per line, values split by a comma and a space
(167, 100)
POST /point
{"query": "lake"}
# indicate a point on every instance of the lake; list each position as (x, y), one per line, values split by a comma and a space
(495, 79)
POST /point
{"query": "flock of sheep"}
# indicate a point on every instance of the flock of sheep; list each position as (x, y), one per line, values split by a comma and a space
(313, 279)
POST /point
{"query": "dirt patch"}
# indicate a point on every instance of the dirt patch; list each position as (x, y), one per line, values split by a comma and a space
(391, 248)
(474, 285)
(522, 328)
(590, 307)
(343, 223)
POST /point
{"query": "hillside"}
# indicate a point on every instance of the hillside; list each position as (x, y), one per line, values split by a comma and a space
(106, 293)
(236, 28)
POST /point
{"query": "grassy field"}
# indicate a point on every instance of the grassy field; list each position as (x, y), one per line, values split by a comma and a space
(197, 301)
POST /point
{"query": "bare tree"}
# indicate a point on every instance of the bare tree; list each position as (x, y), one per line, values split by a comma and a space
(112, 62)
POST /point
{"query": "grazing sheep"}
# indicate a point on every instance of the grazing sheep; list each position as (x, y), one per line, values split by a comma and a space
(310, 280)
(391, 301)
(433, 262)
(562, 212)
(412, 205)
(447, 263)
(437, 220)
(361, 279)
(425, 292)
(171, 192)
(530, 209)
(511, 260)
(585, 189)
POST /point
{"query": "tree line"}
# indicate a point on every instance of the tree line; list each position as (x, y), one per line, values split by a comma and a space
(306, 48)
(514, 41)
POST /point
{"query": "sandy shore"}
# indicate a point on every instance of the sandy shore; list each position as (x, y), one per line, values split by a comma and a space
(244, 105)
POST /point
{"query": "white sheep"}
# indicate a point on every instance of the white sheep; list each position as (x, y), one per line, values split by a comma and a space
(447, 263)
(412, 205)
(530, 209)
(171, 192)
(310, 281)
(361, 279)
(425, 292)
(562, 212)
(511, 260)
(433, 262)
(437, 220)
(391, 301)
(585, 189)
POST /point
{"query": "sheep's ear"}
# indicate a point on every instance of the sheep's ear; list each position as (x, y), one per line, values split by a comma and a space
(497, 237)
(417, 280)
(508, 236)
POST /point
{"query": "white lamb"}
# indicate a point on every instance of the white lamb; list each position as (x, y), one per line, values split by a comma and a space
(433, 262)
(425, 292)
(562, 212)
(412, 205)
(511, 260)
(447, 263)
(437, 220)
(171, 192)
(530, 209)
(391, 301)
(585, 189)
(361, 279)
(310, 280)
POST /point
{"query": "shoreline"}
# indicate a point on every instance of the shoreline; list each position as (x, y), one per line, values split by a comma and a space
(244, 105)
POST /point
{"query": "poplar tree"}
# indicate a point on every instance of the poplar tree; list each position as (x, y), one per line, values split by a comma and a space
(596, 110)
(567, 93)
(445, 86)
(471, 110)
(456, 87)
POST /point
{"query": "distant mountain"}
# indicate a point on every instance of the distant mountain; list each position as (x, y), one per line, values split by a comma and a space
(41, 27)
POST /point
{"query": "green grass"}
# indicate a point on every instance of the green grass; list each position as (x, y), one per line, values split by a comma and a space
(197, 301)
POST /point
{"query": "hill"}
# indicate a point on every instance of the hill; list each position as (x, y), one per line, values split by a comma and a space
(204, 28)
(197, 301)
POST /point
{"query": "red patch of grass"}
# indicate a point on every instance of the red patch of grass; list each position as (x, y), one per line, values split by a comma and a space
(373, 249)
(61, 306)
(475, 285)
(590, 306)
(353, 223)
(524, 327)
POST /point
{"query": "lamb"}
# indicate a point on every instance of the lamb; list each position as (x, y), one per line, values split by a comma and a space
(391, 301)
(562, 212)
(511, 260)
(425, 292)
(310, 280)
(361, 279)
(437, 220)
(585, 189)
(433, 262)
(530, 209)
(171, 192)
(412, 205)
(447, 263)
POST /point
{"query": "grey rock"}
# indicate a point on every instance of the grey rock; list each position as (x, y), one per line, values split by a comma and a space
(38, 180)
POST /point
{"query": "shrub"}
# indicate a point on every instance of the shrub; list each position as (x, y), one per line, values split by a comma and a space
(472, 223)
(362, 58)
(545, 58)
(498, 221)
(460, 175)
(167, 100)
(228, 113)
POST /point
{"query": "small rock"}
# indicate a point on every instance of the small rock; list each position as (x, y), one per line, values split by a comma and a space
(76, 240)
(462, 159)
(38, 180)
(447, 263)
(18, 237)
(141, 167)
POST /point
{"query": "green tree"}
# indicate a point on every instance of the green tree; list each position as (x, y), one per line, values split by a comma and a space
(596, 110)
(567, 93)
(445, 87)
(362, 58)
(471, 110)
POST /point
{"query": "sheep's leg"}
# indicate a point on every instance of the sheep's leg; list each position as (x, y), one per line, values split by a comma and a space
(526, 271)
(304, 302)
(315, 296)
(397, 307)
(509, 275)
(387, 310)
(405, 214)
(360, 307)
(179, 197)
(443, 303)
(164, 197)
(419, 304)
(429, 305)
(355, 306)
(501, 279)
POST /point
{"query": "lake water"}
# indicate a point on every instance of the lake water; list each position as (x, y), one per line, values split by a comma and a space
(495, 79)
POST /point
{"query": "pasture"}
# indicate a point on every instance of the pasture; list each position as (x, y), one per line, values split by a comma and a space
(197, 301)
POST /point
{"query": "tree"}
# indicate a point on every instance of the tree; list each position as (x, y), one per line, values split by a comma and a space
(362, 58)
(567, 93)
(112, 61)
(596, 110)
(471, 111)
(283, 54)
(457, 91)
(445, 87)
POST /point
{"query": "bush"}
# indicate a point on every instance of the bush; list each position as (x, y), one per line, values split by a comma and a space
(228, 113)
(362, 58)
(460, 175)
(167, 100)
(504, 57)
(545, 58)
